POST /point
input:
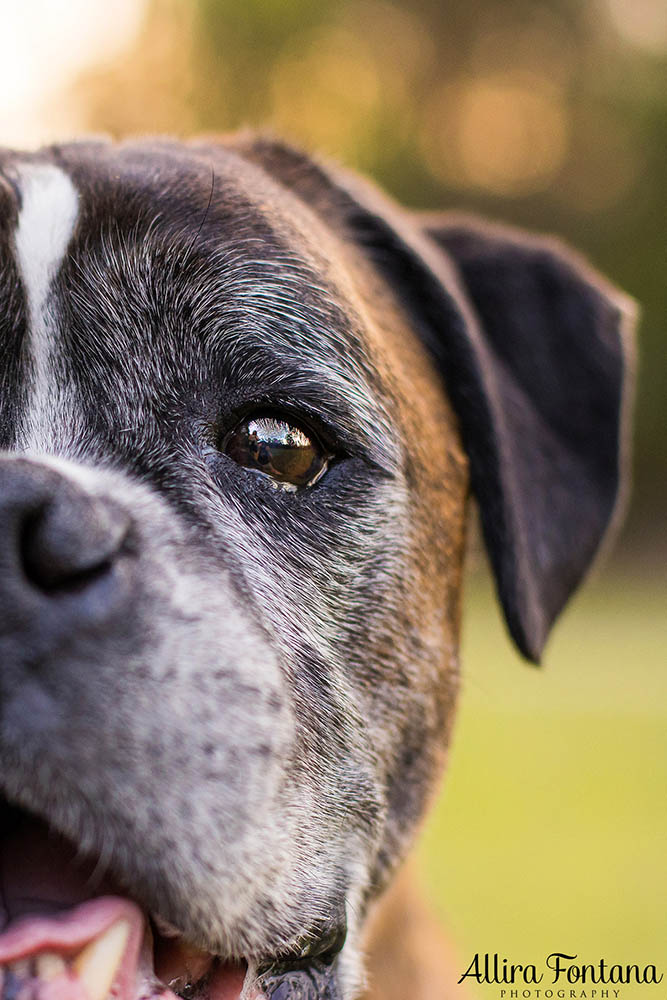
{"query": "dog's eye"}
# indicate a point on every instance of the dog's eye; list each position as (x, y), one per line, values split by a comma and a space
(284, 451)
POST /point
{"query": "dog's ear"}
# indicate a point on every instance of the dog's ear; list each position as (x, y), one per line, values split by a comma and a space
(534, 349)
(549, 448)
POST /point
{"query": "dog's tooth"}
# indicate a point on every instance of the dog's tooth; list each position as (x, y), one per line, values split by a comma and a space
(97, 964)
(22, 968)
(166, 929)
(49, 965)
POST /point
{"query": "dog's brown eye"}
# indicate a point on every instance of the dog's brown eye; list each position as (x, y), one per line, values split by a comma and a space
(281, 450)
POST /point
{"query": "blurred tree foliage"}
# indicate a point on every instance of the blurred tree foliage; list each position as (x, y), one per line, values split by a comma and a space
(550, 114)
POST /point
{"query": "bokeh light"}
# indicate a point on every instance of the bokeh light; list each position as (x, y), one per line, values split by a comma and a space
(327, 91)
(507, 134)
(641, 22)
(44, 44)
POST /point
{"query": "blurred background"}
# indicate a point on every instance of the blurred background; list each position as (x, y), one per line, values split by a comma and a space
(550, 833)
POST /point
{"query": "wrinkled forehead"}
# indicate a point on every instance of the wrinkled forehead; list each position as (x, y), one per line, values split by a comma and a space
(132, 273)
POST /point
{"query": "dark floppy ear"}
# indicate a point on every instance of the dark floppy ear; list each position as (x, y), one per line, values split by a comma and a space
(534, 350)
(549, 452)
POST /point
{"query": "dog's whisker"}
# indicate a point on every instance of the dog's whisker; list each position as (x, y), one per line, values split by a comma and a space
(193, 242)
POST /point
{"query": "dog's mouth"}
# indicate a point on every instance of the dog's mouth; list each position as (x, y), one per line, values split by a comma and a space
(66, 933)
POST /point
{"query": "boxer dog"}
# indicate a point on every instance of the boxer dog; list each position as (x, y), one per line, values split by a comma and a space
(245, 400)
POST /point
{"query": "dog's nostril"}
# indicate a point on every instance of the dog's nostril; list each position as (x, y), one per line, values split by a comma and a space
(65, 546)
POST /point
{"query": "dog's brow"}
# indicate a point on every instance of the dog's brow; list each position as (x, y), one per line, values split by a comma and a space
(304, 344)
(269, 321)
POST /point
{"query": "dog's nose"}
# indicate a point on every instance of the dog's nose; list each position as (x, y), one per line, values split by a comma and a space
(56, 542)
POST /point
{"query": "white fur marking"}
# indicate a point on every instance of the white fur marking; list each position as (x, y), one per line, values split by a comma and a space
(46, 222)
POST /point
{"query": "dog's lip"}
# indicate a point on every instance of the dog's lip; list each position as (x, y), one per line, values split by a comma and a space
(56, 919)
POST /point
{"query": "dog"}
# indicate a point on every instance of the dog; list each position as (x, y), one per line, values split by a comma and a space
(245, 402)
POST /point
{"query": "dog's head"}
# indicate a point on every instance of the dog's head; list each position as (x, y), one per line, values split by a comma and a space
(242, 401)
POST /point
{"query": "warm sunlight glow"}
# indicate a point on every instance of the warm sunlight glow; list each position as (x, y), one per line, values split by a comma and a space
(44, 44)
(641, 22)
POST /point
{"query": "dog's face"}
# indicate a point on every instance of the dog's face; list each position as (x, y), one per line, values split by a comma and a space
(232, 508)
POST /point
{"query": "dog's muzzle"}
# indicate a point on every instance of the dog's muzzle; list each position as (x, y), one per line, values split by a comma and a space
(71, 565)
(66, 568)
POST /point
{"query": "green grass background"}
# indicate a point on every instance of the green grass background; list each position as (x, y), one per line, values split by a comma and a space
(550, 833)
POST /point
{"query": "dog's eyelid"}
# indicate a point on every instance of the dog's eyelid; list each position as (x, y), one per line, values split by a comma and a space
(370, 442)
(352, 424)
(325, 430)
